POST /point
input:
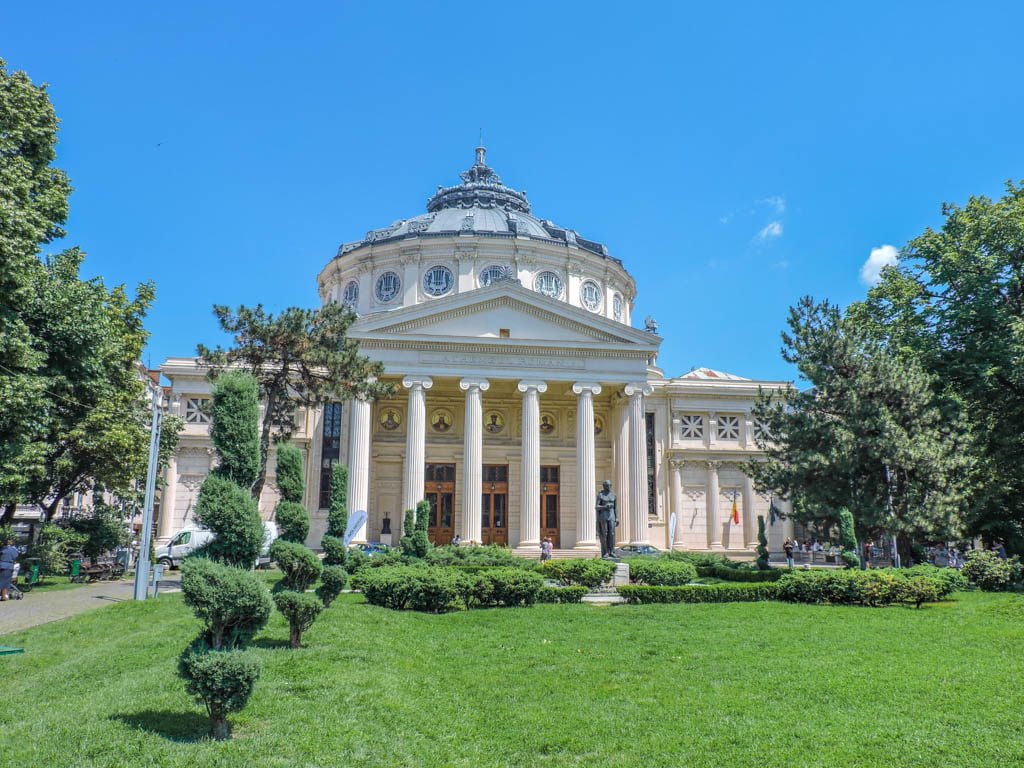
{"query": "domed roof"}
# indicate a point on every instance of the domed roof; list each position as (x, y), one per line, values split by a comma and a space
(481, 205)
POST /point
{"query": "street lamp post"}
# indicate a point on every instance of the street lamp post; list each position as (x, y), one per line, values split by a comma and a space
(142, 564)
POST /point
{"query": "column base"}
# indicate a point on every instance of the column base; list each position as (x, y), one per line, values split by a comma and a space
(586, 546)
(527, 548)
(643, 543)
(716, 546)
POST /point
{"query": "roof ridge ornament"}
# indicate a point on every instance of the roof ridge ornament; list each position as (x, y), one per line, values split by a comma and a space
(481, 186)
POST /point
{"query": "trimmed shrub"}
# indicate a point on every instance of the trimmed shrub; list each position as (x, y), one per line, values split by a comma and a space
(232, 604)
(332, 582)
(848, 539)
(231, 513)
(504, 587)
(222, 681)
(700, 560)
(415, 587)
(337, 515)
(354, 560)
(561, 594)
(292, 521)
(290, 480)
(762, 545)
(300, 566)
(699, 593)
(873, 588)
(235, 428)
(990, 573)
(335, 551)
(103, 530)
(952, 580)
(660, 572)
(300, 610)
(416, 543)
(587, 573)
(740, 574)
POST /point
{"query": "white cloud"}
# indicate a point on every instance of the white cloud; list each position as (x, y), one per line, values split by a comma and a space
(883, 256)
(725, 219)
(776, 202)
(770, 231)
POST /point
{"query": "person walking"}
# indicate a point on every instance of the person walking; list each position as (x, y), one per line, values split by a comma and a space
(545, 550)
(8, 556)
(787, 547)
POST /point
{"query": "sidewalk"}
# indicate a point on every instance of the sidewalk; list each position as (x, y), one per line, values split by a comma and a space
(43, 607)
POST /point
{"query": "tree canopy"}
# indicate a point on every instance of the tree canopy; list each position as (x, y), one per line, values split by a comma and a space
(301, 357)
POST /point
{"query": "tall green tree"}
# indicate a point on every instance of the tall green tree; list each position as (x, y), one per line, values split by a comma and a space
(34, 197)
(94, 427)
(301, 357)
(234, 429)
(955, 303)
(870, 434)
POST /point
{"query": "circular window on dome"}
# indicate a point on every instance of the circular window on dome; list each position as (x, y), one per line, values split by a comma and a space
(617, 306)
(351, 295)
(494, 273)
(590, 295)
(549, 284)
(388, 286)
(437, 281)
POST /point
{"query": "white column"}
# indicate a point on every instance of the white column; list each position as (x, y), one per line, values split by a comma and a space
(714, 526)
(586, 471)
(415, 441)
(529, 524)
(359, 464)
(473, 456)
(620, 418)
(786, 507)
(676, 478)
(165, 528)
(749, 526)
(637, 462)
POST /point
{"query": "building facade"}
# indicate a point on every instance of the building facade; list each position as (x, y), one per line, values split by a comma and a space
(520, 385)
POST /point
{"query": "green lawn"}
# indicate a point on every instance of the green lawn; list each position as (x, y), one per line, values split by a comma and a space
(761, 684)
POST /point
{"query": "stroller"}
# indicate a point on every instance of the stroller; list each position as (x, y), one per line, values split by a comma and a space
(14, 593)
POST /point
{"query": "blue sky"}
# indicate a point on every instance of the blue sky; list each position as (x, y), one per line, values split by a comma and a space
(735, 156)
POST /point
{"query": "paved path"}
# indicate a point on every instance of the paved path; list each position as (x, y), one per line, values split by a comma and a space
(43, 607)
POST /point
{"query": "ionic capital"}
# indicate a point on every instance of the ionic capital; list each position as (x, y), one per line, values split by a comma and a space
(638, 389)
(417, 382)
(537, 386)
(586, 387)
(469, 384)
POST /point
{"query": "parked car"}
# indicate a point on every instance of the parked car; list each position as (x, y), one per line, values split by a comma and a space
(372, 548)
(639, 550)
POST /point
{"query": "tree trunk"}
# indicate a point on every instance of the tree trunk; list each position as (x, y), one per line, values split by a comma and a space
(296, 637)
(220, 728)
(265, 430)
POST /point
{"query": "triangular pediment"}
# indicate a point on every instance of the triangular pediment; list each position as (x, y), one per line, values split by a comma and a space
(499, 312)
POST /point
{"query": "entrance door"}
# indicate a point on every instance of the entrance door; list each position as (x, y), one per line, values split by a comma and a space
(494, 506)
(439, 491)
(549, 506)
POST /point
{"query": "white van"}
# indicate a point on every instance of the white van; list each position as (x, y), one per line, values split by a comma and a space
(182, 545)
(189, 540)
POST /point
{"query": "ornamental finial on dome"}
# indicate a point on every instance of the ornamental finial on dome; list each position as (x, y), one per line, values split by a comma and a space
(481, 187)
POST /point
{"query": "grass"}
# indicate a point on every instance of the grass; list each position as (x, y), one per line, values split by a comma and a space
(759, 684)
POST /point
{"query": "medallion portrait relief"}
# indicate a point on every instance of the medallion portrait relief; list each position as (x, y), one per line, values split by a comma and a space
(494, 422)
(547, 423)
(441, 420)
(390, 419)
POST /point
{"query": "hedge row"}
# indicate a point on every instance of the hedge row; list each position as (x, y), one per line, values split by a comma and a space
(561, 594)
(436, 589)
(586, 573)
(852, 587)
(732, 573)
(660, 572)
(697, 593)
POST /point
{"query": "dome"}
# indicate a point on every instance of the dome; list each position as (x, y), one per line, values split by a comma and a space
(481, 205)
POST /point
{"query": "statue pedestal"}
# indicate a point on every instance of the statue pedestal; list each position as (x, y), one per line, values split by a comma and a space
(621, 576)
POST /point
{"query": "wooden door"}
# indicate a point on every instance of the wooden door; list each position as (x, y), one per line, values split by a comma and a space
(439, 491)
(494, 505)
(550, 512)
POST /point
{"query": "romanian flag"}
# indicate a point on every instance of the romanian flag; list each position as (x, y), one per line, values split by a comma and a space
(735, 512)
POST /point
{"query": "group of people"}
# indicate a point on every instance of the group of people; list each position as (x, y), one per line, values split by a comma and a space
(8, 557)
(546, 548)
(808, 546)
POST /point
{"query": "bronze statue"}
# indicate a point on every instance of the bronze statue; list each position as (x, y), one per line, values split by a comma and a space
(607, 519)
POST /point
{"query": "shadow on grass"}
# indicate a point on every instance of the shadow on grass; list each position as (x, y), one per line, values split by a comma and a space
(270, 642)
(174, 726)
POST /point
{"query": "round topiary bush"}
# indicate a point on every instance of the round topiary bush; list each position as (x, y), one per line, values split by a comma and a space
(292, 521)
(233, 604)
(231, 513)
(222, 681)
(587, 573)
(300, 610)
(332, 582)
(300, 566)
(991, 573)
